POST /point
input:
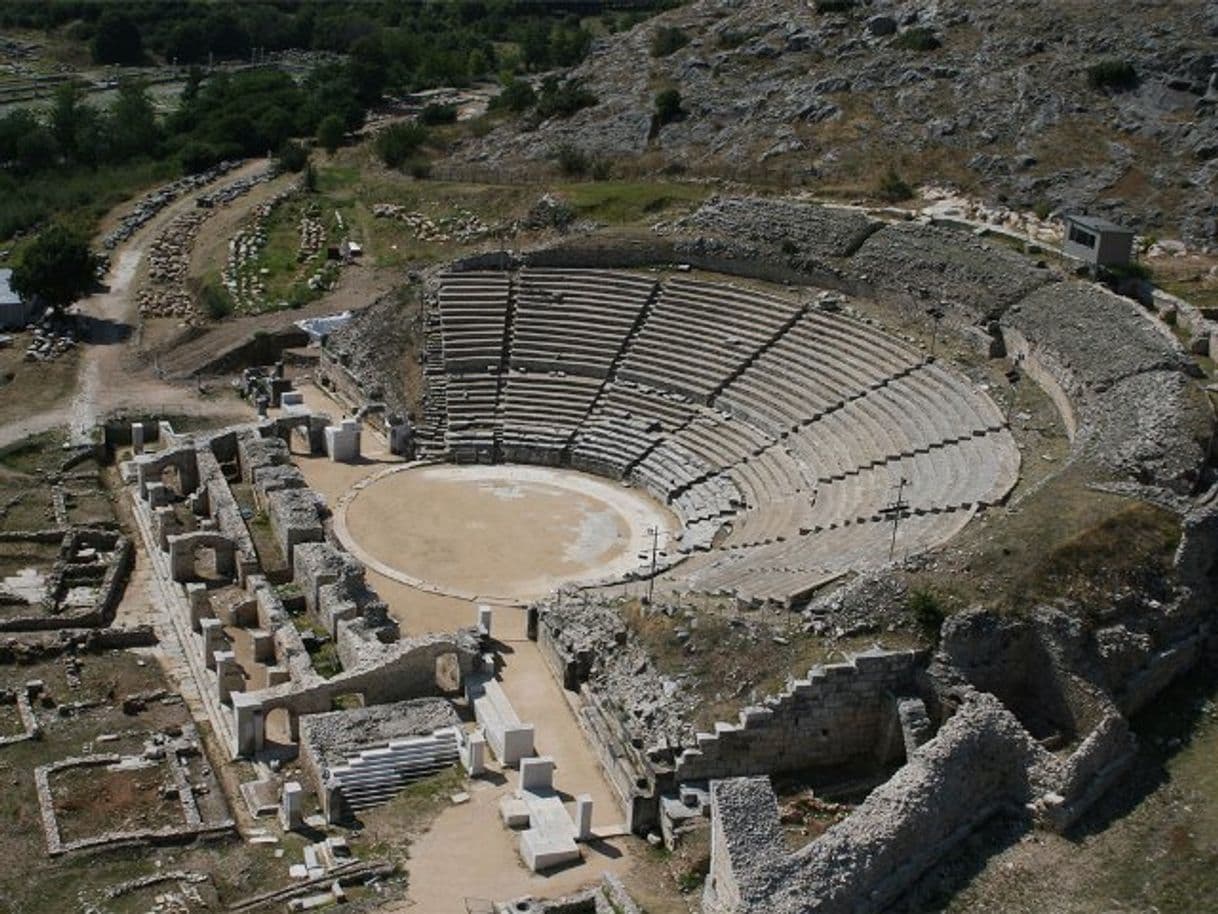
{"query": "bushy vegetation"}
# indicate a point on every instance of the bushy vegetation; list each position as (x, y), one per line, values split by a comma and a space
(214, 299)
(292, 156)
(398, 143)
(1117, 75)
(666, 40)
(433, 115)
(668, 107)
(575, 163)
(76, 155)
(893, 188)
(918, 38)
(331, 132)
(394, 46)
(562, 99)
(730, 39)
(834, 6)
(79, 159)
(517, 95)
(927, 610)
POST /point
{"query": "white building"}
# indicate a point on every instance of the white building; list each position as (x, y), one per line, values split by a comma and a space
(14, 313)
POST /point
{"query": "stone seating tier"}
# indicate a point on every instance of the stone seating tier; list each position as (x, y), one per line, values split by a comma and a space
(790, 425)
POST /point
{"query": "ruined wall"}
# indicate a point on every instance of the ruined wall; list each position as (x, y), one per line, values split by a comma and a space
(224, 510)
(981, 763)
(841, 713)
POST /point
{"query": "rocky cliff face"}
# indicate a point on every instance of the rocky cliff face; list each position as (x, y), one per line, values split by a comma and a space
(996, 95)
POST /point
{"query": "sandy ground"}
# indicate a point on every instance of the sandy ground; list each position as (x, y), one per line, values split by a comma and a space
(507, 533)
(468, 853)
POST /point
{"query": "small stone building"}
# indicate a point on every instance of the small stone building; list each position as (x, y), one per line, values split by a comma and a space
(14, 313)
(1097, 242)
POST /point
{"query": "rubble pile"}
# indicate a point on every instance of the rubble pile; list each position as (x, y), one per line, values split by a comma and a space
(48, 343)
(151, 204)
(312, 234)
(460, 226)
(653, 707)
(243, 282)
(166, 295)
(230, 192)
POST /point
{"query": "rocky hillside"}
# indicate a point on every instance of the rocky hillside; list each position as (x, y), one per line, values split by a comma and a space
(1073, 104)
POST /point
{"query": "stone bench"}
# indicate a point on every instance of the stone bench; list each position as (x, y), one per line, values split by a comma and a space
(509, 738)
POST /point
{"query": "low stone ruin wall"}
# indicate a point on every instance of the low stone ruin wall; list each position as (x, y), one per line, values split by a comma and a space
(980, 764)
(609, 897)
(106, 576)
(841, 713)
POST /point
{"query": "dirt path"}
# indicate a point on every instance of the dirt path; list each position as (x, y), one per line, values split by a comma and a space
(111, 374)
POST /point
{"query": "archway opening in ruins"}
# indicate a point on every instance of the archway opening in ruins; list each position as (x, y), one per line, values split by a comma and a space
(503, 532)
(171, 478)
(207, 565)
(280, 732)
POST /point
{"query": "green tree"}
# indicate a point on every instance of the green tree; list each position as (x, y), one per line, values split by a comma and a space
(187, 43)
(330, 132)
(367, 66)
(133, 119)
(117, 40)
(292, 156)
(66, 117)
(57, 268)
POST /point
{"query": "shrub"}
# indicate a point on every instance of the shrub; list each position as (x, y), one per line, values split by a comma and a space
(1133, 270)
(601, 169)
(438, 114)
(1042, 209)
(893, 188)
(572, 161)
(918, 38)
(667, 39)
(563, 100)
(419, 168)
(789, 247)
(292, 156)
(730, 39)
(516, 95)
(1117, 75)
(215, 301)
(196, 157)
(927, 610)
(668, 107)
(397, 143)
(480, 126)
(834, 6)
(330, 132)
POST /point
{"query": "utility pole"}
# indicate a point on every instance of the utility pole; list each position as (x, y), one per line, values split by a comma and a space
(895, 510)
(655, 549)
(1013, 376)
(935, 313)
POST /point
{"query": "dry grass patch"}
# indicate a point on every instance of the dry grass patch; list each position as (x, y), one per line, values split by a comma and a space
(733, 659)
(91, 800)
(30, 388)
